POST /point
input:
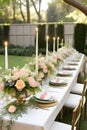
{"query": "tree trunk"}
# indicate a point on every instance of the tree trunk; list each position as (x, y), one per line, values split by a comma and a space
(28, 10)
(39, 15)
(22, 12)
(37, 12)
(78, 5)
(14, 12)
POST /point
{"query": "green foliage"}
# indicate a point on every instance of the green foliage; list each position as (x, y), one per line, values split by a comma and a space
(80, 37)
(77, 16)
(6, 32)
(1, 35)
(52, 12)
(51, 33)
(60, 32)
(18, 51)
(41, 41)
(20, 110)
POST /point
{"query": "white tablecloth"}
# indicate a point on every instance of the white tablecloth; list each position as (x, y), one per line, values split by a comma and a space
(40, 119)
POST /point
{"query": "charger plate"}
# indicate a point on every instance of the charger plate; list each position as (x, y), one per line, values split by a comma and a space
(44, 98)
(43, 101)
(45, 105)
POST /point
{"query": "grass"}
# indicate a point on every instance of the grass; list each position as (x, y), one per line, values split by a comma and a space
(15, 61)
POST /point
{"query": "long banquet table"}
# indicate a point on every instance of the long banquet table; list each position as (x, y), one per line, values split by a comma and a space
(42, 119)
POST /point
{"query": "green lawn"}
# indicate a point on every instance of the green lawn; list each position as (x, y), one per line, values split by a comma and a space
(15, 61)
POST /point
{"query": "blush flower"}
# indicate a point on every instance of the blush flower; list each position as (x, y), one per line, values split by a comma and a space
(40, 75)
(12, 109)
(32, 82)
(43, 67)
(23, 72)
(2, 86)
(20, 85)
(16, 76)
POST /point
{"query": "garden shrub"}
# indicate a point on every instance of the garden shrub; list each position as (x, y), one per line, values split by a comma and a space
(80, 37)
(41, 36)
(51, 34)
(60, 32)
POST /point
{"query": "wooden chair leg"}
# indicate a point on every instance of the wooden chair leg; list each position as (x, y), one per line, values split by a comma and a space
(61, 114)
(85, 112)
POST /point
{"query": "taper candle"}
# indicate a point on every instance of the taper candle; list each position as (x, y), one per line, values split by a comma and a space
(54, 44)
(6, 54)
(57, 43)
(47, 38)
(36, 51)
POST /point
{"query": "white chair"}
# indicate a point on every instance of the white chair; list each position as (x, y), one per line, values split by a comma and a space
(77, 88)
(83, 74)
(79, 91)
(76, 117)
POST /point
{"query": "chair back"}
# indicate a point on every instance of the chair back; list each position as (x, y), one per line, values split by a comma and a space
(76, 116)
(85, 87)
(84, 92)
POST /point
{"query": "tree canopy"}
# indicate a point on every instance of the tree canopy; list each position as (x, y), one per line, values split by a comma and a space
(78, 4)
(20, 10)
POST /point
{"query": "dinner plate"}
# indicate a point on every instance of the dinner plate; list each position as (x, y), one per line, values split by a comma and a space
(64, 73)
(75, 60)
(57, 82)
(72, 63)
(69, 67)
(44, 98)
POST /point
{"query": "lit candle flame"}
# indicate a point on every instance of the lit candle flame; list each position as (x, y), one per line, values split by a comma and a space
(6, 43)
(36, 29)
(47, 37)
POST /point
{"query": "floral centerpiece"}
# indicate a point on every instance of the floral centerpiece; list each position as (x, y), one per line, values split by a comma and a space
(19, 83)
(43, 69)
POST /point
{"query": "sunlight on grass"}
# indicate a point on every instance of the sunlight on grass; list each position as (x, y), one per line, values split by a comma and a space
(15, 61)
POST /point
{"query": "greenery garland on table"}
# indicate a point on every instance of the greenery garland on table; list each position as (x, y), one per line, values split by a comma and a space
(21, 109)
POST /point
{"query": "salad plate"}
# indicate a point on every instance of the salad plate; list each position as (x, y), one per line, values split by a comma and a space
(68, 67)
(72, 63)
(64, 73)
(57, 82)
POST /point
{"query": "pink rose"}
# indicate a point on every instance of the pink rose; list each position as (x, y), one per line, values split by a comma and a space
(12, 109)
